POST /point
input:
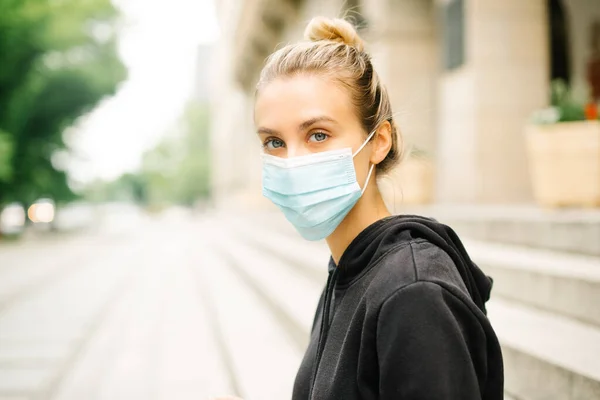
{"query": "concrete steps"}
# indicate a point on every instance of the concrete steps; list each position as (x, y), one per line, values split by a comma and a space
(564, 284)
(260, 357)
(574, 231)
(546, 356)
(544, 307)
(265, 272)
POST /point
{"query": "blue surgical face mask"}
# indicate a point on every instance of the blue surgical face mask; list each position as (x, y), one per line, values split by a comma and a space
(316, 191)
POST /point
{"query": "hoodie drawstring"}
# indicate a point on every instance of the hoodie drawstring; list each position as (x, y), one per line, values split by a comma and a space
(325, 323)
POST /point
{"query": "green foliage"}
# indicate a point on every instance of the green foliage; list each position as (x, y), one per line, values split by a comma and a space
(129, 187)
(563, 107)
(561, 98)
(5, 156)
(58, 59)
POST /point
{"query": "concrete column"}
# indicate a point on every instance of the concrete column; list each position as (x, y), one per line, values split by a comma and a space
(485, 103)
(402, 41)
(310, 9)
(404, 48)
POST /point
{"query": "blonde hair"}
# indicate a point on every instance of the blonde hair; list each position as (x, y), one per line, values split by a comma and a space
(333, 48)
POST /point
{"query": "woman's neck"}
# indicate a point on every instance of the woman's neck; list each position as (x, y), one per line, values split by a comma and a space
(369, 209)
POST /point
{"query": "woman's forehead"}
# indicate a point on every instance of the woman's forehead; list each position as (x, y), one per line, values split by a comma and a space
(292, 100)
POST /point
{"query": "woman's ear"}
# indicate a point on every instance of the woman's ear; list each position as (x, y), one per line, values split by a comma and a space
(382, 143)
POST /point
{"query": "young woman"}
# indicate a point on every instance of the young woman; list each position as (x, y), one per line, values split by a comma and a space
(403, 314)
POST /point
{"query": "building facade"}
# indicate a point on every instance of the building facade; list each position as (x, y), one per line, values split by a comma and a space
(464, 77)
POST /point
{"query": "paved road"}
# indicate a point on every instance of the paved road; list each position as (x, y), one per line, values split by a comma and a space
(148, 311)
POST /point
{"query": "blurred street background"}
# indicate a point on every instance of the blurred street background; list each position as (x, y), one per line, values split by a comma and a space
(138, 258)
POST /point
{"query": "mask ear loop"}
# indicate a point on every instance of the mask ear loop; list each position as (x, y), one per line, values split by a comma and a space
(362, 146)
(372, 165)
(367, 181)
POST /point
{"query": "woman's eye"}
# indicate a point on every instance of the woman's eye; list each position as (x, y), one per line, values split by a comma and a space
(318, 137)
(272, 144)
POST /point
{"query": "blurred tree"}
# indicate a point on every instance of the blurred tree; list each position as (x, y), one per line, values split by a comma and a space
(58, 59)
(5, 156)
(176, 170)
(159, 168)
(128, 187)
(193, 175)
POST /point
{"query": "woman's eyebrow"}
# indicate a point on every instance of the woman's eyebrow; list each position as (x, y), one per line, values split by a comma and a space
(267, 131)
(306, 124)
(303, 126)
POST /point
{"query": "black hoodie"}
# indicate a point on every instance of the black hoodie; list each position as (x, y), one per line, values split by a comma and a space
(405, 320)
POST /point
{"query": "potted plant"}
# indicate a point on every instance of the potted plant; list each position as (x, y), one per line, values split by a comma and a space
(564, 153)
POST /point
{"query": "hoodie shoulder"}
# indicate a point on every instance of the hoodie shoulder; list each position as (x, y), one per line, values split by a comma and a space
(432, 264)
(418, 260)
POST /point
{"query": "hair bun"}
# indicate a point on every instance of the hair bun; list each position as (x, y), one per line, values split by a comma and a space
(335, 30)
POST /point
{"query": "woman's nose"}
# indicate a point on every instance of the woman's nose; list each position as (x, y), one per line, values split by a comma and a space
(297, 151)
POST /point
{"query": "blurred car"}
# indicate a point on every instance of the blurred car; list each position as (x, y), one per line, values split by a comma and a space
(12, 219)
(45, 215)
(41, 213)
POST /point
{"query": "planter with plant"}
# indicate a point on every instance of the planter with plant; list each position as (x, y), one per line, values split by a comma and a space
(563, 145)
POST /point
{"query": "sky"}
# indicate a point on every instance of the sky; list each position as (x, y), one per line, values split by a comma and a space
(158, 44)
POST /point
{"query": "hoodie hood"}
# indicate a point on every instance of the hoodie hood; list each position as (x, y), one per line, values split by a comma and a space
(388, 233)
